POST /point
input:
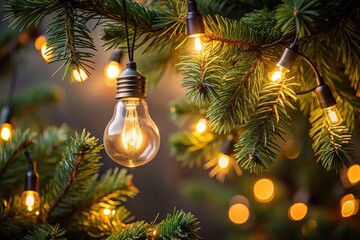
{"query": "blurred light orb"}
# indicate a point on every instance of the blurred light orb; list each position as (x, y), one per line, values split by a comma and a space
(201, 125)
(264, 190)
(239, 213)
(297, 211)
(353, 174)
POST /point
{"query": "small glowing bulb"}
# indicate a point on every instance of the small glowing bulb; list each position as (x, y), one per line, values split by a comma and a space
(278, 74)
(198, 44)
(107, 211)
(6, 131)
(201, 126)
(297, 211)
(353, 174)
(30, 200)
(332, 115)
(131, 138)
(40, 41)
(79, 76)
(112, 69)
(264, 190)
(46, 53)
(223, 161)
(239, 213)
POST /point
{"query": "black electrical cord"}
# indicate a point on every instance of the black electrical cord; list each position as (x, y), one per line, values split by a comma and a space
(130, 49)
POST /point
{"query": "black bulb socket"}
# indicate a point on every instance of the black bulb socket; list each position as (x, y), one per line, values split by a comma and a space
(32, 179)
(228, 146)
(194, 20)
(5, 114)
(131, 83)
(117, 55)
(325, 97)
(289, 57)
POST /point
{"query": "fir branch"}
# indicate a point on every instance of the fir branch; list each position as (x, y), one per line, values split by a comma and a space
(72, 178)
(134, 231)
(331, 145)
(186, 113)
(237, 96)
(46, 232)
(257, 146)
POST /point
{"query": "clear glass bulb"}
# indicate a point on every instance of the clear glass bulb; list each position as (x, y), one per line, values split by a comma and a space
(332, 115)
(131, 137)
(198, 44)
(6, 131)
(31, 200)
(278, 74)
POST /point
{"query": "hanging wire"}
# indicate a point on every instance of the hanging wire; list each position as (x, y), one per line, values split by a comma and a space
(130, 49)
(13, 76)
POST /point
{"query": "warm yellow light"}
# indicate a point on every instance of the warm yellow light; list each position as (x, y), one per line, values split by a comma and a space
(264, 190)
(278, 74)
(353, 174)
(332, 115)
(349, 208)
(201, 126)
(223, 161)
(198, 44)
(113, 69)
(46, 53)
(40, 41)
(297, 211)
(239, 213)
(79, 76)
(107, 211)
(6, 131)
(37, 212)
(131, 137)
(30, 200)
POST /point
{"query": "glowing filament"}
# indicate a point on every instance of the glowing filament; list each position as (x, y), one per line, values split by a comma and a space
(223, 161)
(131, 137)
(333, 115)
(79, 76)
(6, 131)
(198, 44)
(278, 74)
(31, 200)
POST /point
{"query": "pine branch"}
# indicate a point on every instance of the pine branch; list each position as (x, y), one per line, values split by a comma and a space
(186, 113)
(238, 94)
(46, 232)
(135, 231)
(257, 147)
(331, 145)
(72, 178)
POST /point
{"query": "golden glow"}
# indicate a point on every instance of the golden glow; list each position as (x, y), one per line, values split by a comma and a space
(223, 161)
(107, 211)
(349, 205)
(198, 44)
(353, 174)
(79, 76)
(6, 131)
(30, 200)
(46, 53)
(239, 213)
(131, 137)
(113, 69)
(297, 211)
(264, 190)
(333, 116)
(37, 212)
(278, 74)
(40, 41)
(201, 126)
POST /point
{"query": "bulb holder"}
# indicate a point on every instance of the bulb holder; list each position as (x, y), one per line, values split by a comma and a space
(5, 114)
(131, 83)
(228, 146)
(325, 97)
(32, 179)
(194, 20)
(289, 57)
(116, 55)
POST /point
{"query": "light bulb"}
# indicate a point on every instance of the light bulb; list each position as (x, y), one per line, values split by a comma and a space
(198, 44)
(201, 125)
(332, 115)
(40, 41)
(46, 53)
(279, 73)
(112, 69)
(223, 161)
(79, 75)
(131, 137)
(6, 131)
(31, 200)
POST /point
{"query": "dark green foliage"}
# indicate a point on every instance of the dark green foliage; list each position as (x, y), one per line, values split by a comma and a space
(46, 232)
(257, 147)
(135, 231)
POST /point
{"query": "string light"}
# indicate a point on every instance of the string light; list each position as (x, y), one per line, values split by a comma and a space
(264, 190)
(297, 211)
(6, 131)
(353, 174)
(195, 24)
(131, 138)
(113, 68)
(79, 75)
(239, 213)
(201, 125)
(30, 197)
(6, 128)
(286, 62)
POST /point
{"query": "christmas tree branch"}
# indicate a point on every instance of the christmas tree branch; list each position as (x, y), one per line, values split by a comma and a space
(46, 232)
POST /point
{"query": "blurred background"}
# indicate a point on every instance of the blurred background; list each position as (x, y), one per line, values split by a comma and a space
(264, 206)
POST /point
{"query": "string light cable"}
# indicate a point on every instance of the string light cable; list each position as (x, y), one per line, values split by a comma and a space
(30, 197)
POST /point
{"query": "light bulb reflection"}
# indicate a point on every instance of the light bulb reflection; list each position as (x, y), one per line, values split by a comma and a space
(6, 131)
(79, 75)
(30, 200)
(332, 115)
(278, 74)
(198, 44)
